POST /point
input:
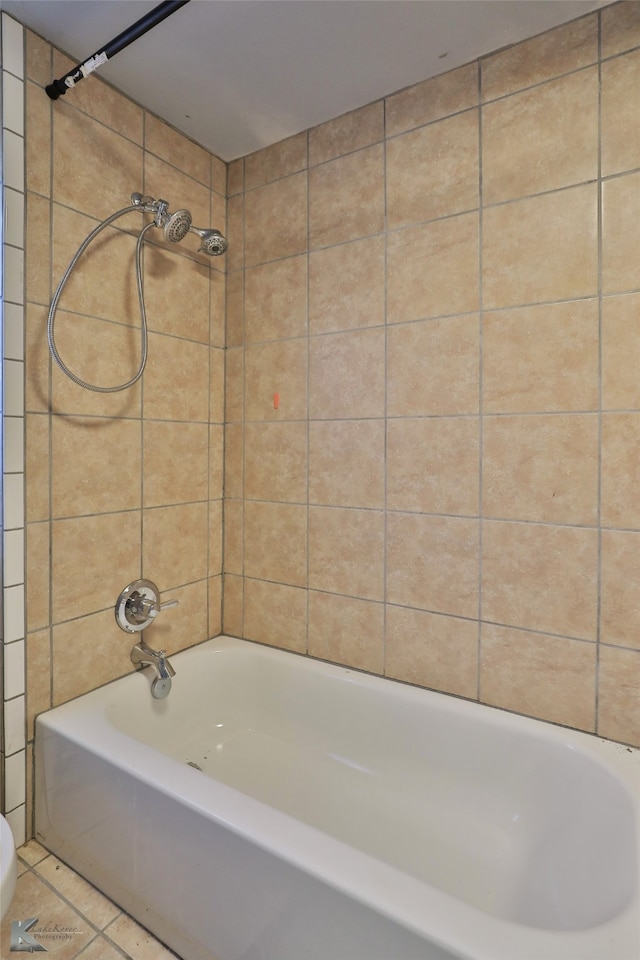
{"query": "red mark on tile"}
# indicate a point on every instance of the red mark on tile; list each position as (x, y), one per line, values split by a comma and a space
(276, 401)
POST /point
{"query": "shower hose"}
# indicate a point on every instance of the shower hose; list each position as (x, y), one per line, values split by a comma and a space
(143, 317)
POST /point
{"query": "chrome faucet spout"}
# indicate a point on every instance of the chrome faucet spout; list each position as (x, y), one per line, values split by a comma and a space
(143, 656)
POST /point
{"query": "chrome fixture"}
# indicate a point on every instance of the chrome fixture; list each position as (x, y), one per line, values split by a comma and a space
(213, 242)
(175, 227)
(139, 604)
(143, 656)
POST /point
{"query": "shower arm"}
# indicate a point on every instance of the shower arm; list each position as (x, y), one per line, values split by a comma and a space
(59, 87)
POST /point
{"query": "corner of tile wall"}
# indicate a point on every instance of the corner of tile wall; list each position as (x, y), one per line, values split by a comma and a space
(13, 742)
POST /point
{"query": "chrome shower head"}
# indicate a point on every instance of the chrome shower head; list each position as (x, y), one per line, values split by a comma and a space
(213, 242)
(177, 225)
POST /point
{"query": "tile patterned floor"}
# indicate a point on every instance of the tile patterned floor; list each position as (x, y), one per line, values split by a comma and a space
(74, 919)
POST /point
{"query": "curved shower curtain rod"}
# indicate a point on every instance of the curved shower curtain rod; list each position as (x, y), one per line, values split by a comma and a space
(59, 87)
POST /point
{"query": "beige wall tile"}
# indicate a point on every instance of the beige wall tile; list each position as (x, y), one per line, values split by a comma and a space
(38, 569)
(276, 161)
(346, 198)
(38, 140)
(276, 220)
(37, 468)
(276, 368)
(433, 99)
(218, 175)
(351, 131)
(176, 294)
(36, 349)
(346, 375)
(621, 233)
(90, 638)
(433, 172)
(38, 676)
(433, 465)
(547, 677)
(432, 563)
(232, 603)
(100, 353)
(548, 55)
(234, 384)
(102, 102)
(433, 368)
(38, 58)
(618, 706)
(276, 300)
(275, 614)
(234, 460)
(620, 608)
(95, 465)
(543, 248)
(621, 352)
(620, 27)
(37, 254)
(175, 462)
(432, 270)
(176, 149)
(215, 538)
(275, 542)
(542, 468)
(216, 385)
(185, 625)
(233, 536)
(541, 139)
(108, 264)
(347, 631)
(541, 358)
(216, 461)
(235, 233)
(346, 463)
(164, 180)
(235, 310)
(215, 607)
(176, 381)
(235, 177)
(540, 577)
(175, 544)
(433, 651)
(218, 291)
(79, 185)
(346, 552)
(346, 286)
(275, 463)
(620, 445)
(105, 354)
(93, 559)
(620, 119)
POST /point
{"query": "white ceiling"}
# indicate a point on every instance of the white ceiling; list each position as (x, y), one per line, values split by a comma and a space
(238, 75)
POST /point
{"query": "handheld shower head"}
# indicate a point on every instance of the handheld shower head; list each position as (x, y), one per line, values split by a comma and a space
(177, 226)
(213, 242)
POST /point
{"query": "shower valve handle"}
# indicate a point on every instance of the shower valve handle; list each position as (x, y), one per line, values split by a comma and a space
(153, 608)
(139, 604)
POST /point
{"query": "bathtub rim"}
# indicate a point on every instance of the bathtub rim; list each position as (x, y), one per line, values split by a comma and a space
(373, 883)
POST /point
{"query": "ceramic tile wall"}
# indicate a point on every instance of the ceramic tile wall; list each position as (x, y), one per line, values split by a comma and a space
(433, 411)
(13, 743)
(122, 485)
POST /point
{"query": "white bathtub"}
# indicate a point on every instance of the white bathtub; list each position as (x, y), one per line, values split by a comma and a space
(339, 816)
